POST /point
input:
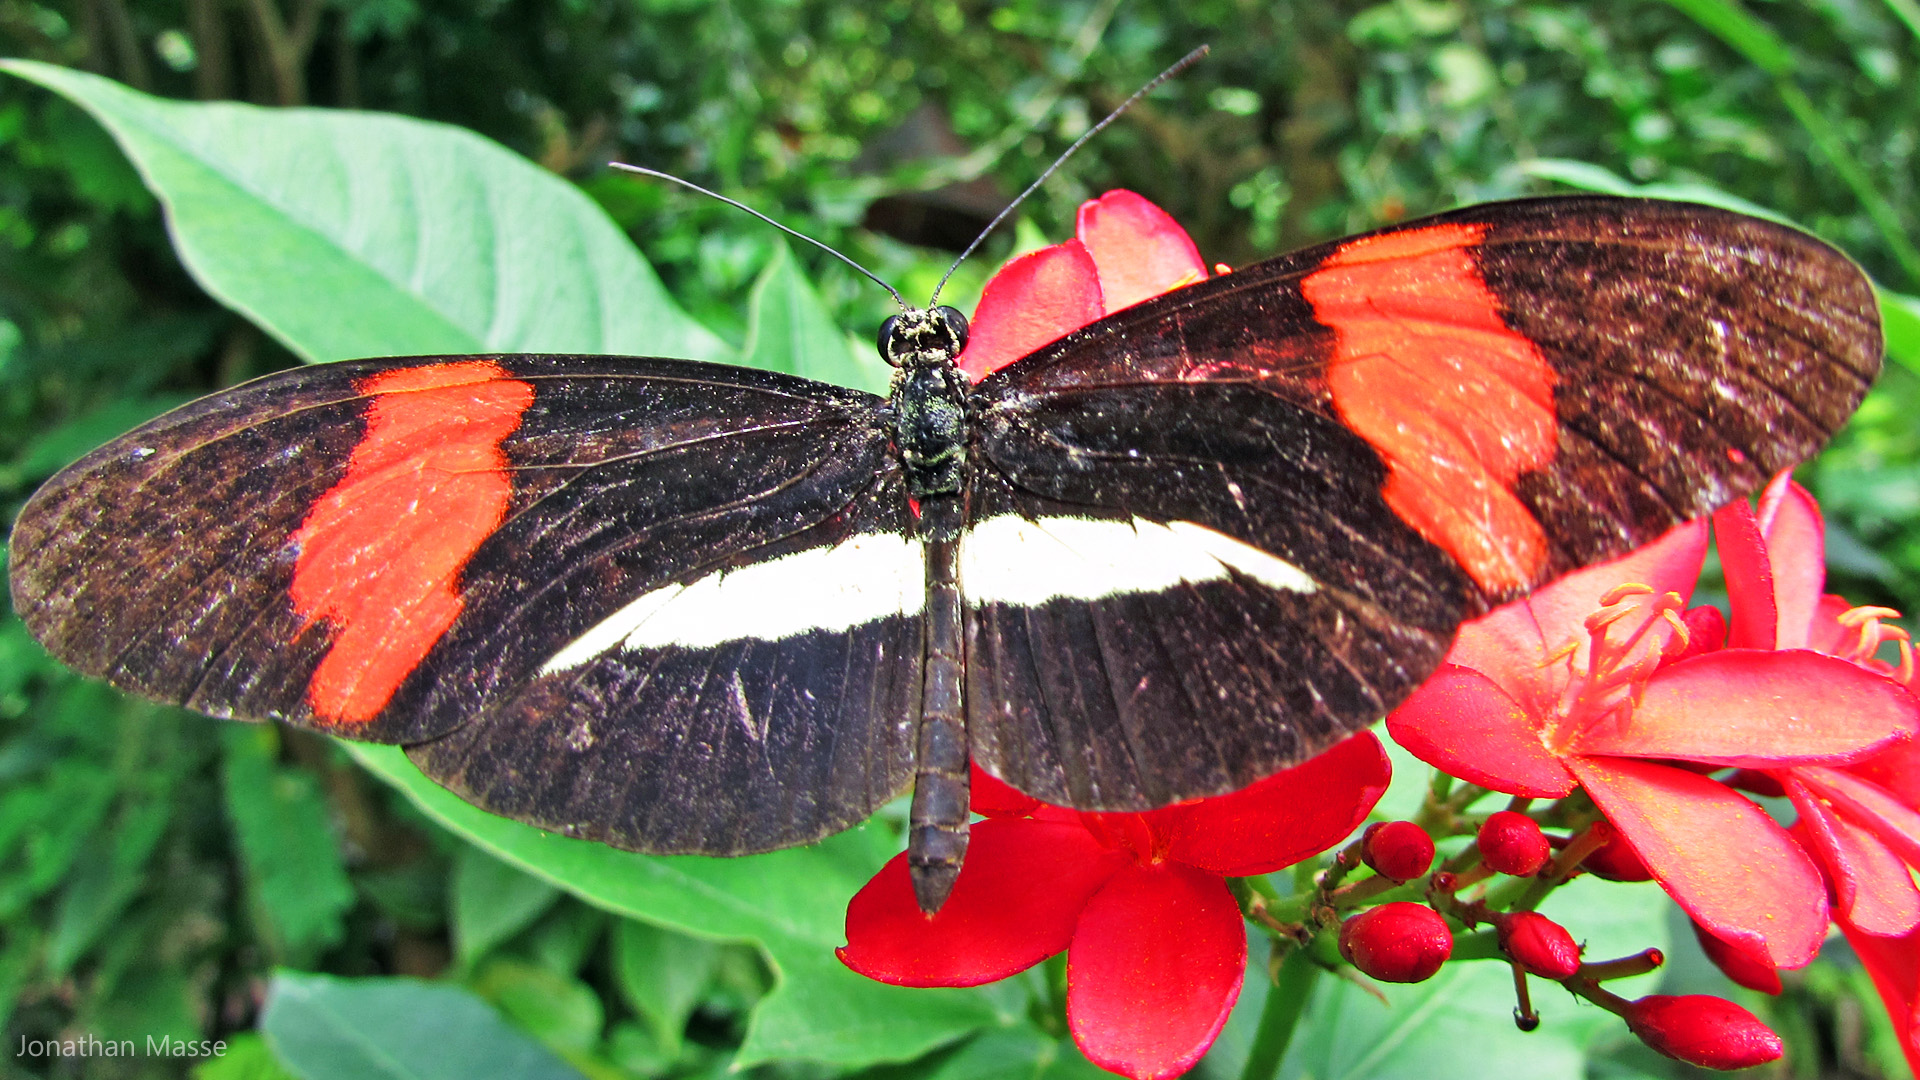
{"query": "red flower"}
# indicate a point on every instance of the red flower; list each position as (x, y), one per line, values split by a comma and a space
(1125, 250)
(1894, 965)
(1156, 947)
(1859, 821)
(1599, 681)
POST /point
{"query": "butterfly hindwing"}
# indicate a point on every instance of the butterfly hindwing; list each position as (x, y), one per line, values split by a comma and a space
(1423, 422)
(397, 550)
(768, 701)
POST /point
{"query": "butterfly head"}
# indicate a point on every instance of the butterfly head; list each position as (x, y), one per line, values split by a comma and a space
(923, 337)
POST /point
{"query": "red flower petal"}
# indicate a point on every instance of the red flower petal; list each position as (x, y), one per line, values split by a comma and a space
(1871, 886)
(1616, 860)
(992, 797)
(1743, 555)
(1140, 250)
(1507, 644)
(1037, 298)
(1797, 549)
(1826, 634)
(1756, 707)
(1154, 969)
(1282, 819)
(1894, 966)
(1896, 824)
(1016, 903)
(1462, 723)
(1897, 768)
(1741, 965)
(1725, 861)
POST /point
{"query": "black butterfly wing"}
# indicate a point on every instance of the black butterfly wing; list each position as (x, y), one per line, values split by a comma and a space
(428, 550)
(1248, 516)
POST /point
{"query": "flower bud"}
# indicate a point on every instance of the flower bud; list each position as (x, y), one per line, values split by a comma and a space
(1401, 942)
(1706, 632)
(1511, 843)
(1740, 964)
(1701, 1030)
(1399, 850)
(1538, 944)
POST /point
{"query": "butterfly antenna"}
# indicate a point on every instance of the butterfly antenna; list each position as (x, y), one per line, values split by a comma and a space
(736, 204)
(1179, 66)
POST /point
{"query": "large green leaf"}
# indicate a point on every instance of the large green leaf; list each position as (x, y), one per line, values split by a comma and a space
(323, 1028)
(357, 234)
(793, 903)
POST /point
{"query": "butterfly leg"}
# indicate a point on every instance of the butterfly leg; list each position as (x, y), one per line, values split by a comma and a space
(937, 836)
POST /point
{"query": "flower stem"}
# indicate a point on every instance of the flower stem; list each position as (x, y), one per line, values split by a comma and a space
(1286, 1001)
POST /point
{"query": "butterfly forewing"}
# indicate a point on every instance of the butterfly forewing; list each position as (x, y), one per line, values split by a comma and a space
(394, 549)
(1422, 422)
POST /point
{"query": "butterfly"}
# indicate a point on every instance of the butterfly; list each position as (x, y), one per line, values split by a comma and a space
(685, 607)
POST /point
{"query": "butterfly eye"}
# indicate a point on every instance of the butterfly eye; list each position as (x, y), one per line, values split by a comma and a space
(956, 324)
(886, 336)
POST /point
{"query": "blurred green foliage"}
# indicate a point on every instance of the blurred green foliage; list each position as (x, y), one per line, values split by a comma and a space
(156, 868)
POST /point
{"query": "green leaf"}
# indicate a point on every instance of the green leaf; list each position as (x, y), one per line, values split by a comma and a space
(561, 1011)
(1743, 33)
(792, 903)
(103, 884)
(323, 1028)
(566, 937)
(151, 1001)
(51, 822)
(298, 883)
(52, 449)
(19, 962)
(1900, 318)
(349, 234)
(661, 974)
(492, 902)
(1587, 176)
(789, 329)
(247, 1058)
(1023, 1052)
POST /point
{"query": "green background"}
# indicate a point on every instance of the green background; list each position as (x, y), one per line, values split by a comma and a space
(327, 912)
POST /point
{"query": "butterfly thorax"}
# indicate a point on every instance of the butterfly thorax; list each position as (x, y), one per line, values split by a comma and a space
(928, 399)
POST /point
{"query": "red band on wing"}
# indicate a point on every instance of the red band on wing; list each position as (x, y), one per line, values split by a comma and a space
(1457, 404)
(381, 552)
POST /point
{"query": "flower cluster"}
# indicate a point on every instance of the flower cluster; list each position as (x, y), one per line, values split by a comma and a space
(1649, 724)
(1154, 939)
